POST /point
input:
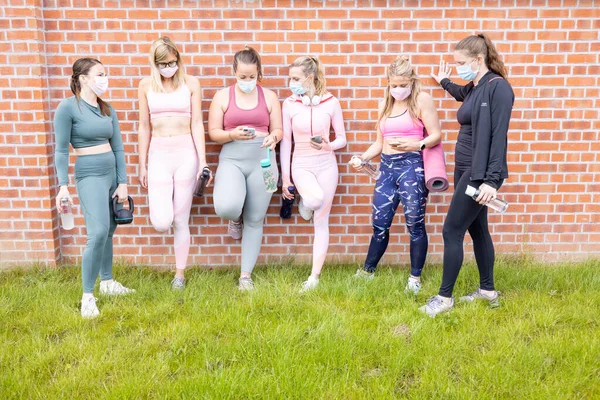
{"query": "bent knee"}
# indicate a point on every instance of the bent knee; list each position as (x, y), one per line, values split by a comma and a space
(161, 224)
(228, 211)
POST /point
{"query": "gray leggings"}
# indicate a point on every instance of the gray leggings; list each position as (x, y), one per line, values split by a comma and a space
(96, 180)
(240, 191)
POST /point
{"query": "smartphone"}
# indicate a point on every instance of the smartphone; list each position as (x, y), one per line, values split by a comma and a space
(316, 139)
(249, 131)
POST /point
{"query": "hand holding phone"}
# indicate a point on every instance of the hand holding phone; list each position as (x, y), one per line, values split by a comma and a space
(316, 139)
(249, 131)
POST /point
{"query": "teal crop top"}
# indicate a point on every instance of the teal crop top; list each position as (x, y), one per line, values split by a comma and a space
(82, 125)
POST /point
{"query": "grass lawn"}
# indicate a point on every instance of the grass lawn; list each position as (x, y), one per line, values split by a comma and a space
(348, 339)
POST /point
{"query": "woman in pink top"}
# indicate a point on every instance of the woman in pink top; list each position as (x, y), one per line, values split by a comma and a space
(171, 138)
(403, 116)
(246, 119)
(308, 116)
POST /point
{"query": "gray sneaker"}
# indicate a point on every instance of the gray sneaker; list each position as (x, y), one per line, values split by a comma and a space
(478, 295)
(245, 283)
(361, 273)
(178, 283)
(436, 305)
(235, 229)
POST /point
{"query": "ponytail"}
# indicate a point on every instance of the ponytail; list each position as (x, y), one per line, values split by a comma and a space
(481, 44)
(82, 67)
(312, 66)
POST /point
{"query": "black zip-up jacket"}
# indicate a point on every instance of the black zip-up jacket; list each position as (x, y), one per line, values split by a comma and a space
(490, 115)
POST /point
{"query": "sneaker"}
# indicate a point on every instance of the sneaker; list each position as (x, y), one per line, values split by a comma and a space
(361, 273)
(178, 283)
(305, 212)
(309, 284)
(114, 288)
(478, 295)
(89, 308)
(245, 283)
(436, 305)
(413, 286)
(235, 229)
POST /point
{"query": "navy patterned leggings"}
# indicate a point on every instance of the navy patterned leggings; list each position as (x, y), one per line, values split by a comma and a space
(402, 179)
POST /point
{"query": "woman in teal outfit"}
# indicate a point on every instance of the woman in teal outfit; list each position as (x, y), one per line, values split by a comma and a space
(90, 125)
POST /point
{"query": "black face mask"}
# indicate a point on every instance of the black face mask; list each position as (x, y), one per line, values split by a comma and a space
(123, 215)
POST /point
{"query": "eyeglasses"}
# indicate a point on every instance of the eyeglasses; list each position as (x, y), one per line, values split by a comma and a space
(163, 65)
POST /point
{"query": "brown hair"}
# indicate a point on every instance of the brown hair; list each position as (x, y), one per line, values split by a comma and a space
(82, 67)
(401, 66)
(248, 56)
(159, 51)
(312, 66)
(481, 44)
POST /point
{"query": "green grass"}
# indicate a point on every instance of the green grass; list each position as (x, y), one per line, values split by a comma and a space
(348, 339)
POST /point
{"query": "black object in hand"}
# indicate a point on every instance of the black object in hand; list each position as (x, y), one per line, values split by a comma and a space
(286, 205)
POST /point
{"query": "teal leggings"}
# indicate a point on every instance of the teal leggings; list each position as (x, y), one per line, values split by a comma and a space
(96, 180)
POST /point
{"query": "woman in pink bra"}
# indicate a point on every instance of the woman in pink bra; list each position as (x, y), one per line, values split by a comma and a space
(171, 138)
(403, 116)
(246, 119)
(308, 115)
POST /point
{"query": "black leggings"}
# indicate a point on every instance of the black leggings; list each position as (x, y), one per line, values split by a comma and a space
(466, 214)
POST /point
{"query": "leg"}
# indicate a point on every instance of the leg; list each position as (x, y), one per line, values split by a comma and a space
(385, 203)
(230, 190)
(184, 181)
(255, 210)
(94, 192)
(107, 255)
(462, 212)
(413, 194)
(484, 250)
(308, 186)
(160, 190)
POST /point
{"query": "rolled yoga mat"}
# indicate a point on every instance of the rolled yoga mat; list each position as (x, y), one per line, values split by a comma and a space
(436, 178)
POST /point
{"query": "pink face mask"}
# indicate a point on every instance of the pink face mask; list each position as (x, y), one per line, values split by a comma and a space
(400, 93)
(169, 71)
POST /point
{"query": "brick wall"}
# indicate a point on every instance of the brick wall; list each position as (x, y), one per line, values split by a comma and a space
(551, 48)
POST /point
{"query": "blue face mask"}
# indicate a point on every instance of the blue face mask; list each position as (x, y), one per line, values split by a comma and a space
(465, 72)
(247, 86)
(297, 88)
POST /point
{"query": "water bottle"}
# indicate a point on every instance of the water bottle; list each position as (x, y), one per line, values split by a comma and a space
(67, 220)
(268, 176)
(496, 204)
(368, 167)
(202, 181)
(286, 205)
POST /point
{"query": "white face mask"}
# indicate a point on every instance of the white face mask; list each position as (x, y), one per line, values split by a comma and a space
(99, 86)
(247, 86)
(168, 72)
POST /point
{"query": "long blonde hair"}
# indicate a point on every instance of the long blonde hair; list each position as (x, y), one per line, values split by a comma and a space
(159, 51)
(312, 66)
(401, 67)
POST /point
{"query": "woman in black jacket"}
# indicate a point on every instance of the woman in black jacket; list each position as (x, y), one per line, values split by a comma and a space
(480, 161)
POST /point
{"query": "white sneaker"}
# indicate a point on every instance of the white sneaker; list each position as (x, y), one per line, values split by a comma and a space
(478, 295)
(413, 285)
(245, 284)
(305, 212)
(89, 308)
(309, 284)
(114, 288)
(436, 305)
(178, 283)
(362, 274)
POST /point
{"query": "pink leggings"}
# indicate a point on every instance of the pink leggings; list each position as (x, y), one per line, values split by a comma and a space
(316, 180)
(172, 169)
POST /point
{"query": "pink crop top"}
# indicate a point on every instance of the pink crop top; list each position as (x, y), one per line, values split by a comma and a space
(401, 126)
(173, 104)
(257, 117)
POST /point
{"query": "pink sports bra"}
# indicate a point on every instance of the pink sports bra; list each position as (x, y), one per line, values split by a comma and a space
(173, 104)
(401, 126)
(257, 117)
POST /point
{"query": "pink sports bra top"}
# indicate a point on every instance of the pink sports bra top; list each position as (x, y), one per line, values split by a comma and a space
(257, 117)
(173, 104)
(401, 126)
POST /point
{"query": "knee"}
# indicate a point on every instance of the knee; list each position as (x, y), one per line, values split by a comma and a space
(227, 210)
(161, 224)
(380, 232)
(417, 231)
(97, 235)
(450, 232)
(313, 202)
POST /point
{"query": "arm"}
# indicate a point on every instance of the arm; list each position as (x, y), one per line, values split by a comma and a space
(337, 121)
(430, 119)
(116, 143)
(275, 124)
(197, 124)
(63, 122)
(285, 149)
(215, 120)
(143, 133)
(457, 91)
(376, 148)
(502, 99)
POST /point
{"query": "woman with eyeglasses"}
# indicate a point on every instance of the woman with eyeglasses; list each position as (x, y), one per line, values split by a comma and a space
(171, 142)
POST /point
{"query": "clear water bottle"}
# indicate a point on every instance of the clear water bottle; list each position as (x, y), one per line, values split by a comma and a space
(202, 181)
(268, 175)
(67, 219)
(286, 205)
(496, 204)
(368, 167)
